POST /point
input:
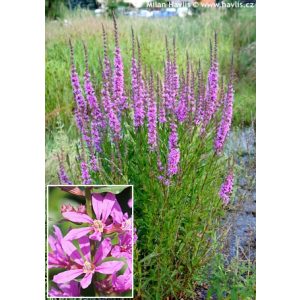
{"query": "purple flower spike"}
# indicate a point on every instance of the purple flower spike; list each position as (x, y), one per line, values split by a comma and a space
(226, 188)
(62, 175)
(81, 115)
(160, 100)
(173, 161)
(225, 123)
(98, 121)
(109, 105)
(174, 152)
(212, 87)
(137, 86)
(118, 77)
(85, 173)
(152, 117)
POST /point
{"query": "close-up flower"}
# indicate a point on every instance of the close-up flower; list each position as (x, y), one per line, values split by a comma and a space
(103, 206)
(96, 258)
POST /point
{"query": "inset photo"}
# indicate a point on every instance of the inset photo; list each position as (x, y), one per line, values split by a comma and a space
(90, 239)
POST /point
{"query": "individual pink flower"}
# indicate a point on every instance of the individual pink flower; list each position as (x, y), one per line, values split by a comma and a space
(85, 265)
(103, 206)
(68, 289)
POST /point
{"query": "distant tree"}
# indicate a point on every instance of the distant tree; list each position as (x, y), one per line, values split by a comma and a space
(55, 9)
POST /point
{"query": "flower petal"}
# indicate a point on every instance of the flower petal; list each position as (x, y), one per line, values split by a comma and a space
(110, 267)
(96, 236)
(84, 244)
(116, 213)
(97, 204)
(57, 232)
(71, 250)
(103, 250)
(77, 217)
(108, 203)
(86, 280)
(77, 233)
(67, 276)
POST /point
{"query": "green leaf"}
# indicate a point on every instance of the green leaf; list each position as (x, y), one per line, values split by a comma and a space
(111, 189)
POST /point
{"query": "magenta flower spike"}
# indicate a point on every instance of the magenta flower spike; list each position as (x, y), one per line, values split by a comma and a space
(85, 173)
(81, 115)
(174, 152)
(85, 265)
(97, 121)
(103, 208)
(200, 105)
(152, 117)
(137, 86)
(118, 77)
(227, 188)
(211, 93)
(225, 123)
(106, 92)
(67, 289)
(62, 175)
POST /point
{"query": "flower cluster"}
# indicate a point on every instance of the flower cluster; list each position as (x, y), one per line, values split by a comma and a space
(104, 256)
(226, 188)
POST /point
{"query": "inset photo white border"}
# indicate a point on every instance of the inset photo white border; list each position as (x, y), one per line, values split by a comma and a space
(47, 238)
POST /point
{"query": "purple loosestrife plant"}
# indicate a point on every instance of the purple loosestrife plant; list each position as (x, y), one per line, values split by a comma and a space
(167, 139)
(77, 268)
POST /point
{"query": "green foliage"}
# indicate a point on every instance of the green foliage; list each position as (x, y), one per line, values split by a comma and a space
(234, 280)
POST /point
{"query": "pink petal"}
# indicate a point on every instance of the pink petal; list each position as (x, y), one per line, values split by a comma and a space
(67, 276)
(102, 251)
(130, 202)
(57, 233)
(108, 203)
(77, 217)
(116, 213)
(97, 204)
(96, 236)
(71, 250)
(84, 244)
(52, 242)
(86, 280)
(77, 233)
(110, 267)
